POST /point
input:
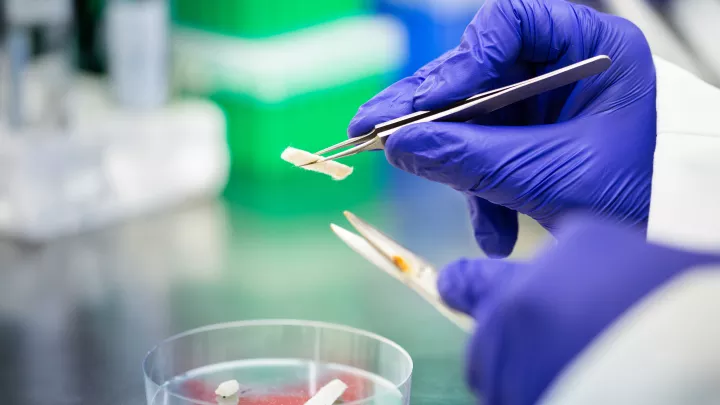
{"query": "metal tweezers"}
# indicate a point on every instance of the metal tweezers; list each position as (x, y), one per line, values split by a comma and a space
(465, 110)
(399, 262)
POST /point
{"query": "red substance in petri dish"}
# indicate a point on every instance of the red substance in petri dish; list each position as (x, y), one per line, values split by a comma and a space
(294, 395)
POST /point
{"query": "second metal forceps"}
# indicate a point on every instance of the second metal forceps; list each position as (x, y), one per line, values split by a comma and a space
(464, 110)
(402, 264)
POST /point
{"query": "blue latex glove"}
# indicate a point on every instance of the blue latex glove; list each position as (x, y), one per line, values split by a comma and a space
(587, 146)
(533, 319)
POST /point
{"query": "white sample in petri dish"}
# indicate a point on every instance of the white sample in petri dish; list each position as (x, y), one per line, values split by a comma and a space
(228, 393)
(277, 362)
(329, 394)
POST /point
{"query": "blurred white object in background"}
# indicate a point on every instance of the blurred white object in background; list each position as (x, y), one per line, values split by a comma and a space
(138, 52)
(112, 165)
(698, 21)
(663, 41)
(276, 68)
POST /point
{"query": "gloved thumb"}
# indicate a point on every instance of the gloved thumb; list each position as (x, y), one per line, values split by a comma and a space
(495, 227)
(465, 284)
(465, 157)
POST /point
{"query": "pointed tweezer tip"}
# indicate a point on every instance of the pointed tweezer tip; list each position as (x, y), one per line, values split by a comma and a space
(355, 221)
(337, 229)
(352, 217)
(343, 233)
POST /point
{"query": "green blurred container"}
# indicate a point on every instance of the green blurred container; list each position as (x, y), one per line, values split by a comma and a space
(308, 121)
(301, 90)
(261, 18)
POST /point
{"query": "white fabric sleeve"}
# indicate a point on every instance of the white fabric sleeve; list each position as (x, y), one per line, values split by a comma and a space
(663, 351)
(663, 40)
(685, 202)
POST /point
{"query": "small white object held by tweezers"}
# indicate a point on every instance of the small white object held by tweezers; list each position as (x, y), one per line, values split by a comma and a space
(301, 158)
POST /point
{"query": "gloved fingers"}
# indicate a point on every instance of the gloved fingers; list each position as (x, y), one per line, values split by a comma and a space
(495, 227)
(504, 43)
(469, 158)
(393, 102)
(464, 284)
(519, 168)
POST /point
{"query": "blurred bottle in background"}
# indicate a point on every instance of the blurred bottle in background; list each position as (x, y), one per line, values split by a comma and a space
(38, 36)
(137, 46)
(91, 56)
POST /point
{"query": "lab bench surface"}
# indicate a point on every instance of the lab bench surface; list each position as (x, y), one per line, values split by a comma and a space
(78, 315)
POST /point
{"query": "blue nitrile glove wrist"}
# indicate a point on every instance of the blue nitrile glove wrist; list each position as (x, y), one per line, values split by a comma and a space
(532, 319)
(587, 146)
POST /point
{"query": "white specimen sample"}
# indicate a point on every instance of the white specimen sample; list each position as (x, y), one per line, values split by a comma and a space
(228, 393)
(328, 394)
(337, 171)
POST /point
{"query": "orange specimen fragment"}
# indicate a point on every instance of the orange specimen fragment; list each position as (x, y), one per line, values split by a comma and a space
(401, 264)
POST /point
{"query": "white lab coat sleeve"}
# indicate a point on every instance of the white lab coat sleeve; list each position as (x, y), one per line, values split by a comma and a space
(663, 351)
(685, 202)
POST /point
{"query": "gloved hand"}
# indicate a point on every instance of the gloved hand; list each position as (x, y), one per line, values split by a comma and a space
(533, 319)
(587, 146)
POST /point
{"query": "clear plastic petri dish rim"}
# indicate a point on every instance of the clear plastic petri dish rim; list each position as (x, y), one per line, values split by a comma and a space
(281, 362)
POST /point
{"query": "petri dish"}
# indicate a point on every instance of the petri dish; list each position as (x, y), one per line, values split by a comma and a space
(277, 362)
